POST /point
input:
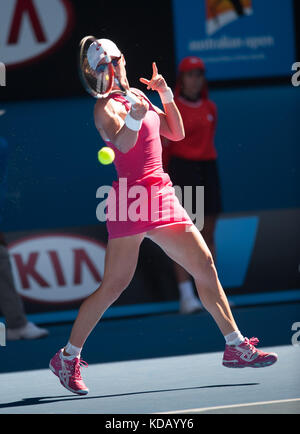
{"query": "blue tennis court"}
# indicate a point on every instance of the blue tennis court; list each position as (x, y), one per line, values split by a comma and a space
(167, 364)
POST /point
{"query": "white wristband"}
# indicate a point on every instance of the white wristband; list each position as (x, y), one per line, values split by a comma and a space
(167, 96)
(132, 123)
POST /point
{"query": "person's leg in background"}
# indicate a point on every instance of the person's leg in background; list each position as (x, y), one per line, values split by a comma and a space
(11, 306)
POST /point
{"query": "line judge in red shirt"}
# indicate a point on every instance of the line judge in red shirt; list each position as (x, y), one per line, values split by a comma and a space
(193, 160)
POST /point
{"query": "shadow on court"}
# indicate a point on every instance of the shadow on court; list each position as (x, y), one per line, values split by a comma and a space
(154, 336)
(49, 399)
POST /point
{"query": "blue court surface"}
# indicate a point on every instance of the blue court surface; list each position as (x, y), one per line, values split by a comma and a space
(159, 364)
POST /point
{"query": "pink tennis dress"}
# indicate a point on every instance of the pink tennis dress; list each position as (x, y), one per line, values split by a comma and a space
(143, 198)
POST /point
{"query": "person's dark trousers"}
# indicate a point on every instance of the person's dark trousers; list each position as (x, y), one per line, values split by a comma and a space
(11, 305)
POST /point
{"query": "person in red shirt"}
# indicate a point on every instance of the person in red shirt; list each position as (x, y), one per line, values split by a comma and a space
(193, 160)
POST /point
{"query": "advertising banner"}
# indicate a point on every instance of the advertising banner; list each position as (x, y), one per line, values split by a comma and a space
(55, 270)
(31, 29)
(237, 38)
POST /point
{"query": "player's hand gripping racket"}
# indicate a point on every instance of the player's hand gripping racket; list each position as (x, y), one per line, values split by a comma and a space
(99, 81)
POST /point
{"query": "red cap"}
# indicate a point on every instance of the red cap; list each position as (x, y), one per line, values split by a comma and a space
(190, 63)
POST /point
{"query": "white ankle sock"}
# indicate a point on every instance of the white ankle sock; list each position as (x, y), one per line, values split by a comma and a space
(234, 338)
(72, 351)
(186, 289)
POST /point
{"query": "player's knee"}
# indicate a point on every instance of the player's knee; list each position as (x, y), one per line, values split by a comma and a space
(115, 287)
(204, 268)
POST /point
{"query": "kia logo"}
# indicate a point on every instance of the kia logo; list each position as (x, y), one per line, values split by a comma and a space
(57, 268)
(32, 28)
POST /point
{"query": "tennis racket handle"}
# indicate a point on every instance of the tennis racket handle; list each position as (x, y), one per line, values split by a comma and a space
(131, 98)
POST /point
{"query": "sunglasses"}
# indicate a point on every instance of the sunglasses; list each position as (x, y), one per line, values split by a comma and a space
(102, 67)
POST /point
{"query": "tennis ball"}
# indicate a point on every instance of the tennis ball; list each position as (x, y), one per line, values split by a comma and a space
(106, 156)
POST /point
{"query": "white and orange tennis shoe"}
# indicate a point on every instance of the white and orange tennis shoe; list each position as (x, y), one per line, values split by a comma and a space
(68, 372)
(246, 355)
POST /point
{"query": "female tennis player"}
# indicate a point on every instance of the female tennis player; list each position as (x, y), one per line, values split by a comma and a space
(133, 132)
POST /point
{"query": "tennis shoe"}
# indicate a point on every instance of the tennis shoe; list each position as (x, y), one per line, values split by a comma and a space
(247, 355)
(68, 372)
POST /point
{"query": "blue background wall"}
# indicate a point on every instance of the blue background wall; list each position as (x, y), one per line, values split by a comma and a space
(54, 173)
(258, 142)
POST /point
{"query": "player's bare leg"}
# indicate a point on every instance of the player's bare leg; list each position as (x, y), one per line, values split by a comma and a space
(120, 264)
(189, 250)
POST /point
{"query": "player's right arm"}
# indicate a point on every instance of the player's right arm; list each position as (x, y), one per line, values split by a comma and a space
(111, 124)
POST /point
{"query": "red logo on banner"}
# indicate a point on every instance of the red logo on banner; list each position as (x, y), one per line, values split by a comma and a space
(32, 28)
(57, 268)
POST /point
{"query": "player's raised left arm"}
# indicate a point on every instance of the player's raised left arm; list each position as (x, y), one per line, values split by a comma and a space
(171, 124)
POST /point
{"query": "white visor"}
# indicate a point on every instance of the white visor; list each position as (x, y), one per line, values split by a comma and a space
(99, 49)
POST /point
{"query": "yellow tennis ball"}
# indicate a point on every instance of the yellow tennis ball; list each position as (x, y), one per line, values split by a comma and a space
(106, 156)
